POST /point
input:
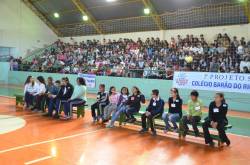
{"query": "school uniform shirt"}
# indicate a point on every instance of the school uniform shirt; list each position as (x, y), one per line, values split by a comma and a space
(217, 114)
(65, 92)
(52, 89)
(122, 99)
(156, 106)
(102, 97)
(30, 88)
(195, 108)
(40, 88)
(134, 101)
(175, 106)
(79, 92)
(114, 99)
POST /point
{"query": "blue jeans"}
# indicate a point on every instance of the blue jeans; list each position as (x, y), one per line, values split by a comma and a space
(58, 106)
(120, 109)
(172, 117)
(51, 104)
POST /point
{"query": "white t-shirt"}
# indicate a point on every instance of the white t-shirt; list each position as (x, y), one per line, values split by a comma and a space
(29, 88)
(40, 88)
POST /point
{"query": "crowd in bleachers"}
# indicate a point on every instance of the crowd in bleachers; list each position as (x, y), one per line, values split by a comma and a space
(152, 58)
(109, 106)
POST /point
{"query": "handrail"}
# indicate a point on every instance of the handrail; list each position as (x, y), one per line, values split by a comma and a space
(36, 53)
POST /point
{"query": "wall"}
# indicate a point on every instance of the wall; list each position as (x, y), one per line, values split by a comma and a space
(236, 101)
(21, 28)
(4, 71)
(209, 33)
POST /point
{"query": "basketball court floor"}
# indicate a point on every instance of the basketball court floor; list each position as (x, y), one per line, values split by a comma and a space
(29, 138)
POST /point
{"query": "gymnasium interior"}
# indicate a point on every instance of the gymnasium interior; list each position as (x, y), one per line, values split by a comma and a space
(118, 82)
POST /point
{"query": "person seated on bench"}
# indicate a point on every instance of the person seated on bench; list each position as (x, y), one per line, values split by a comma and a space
(174, 113)
(29, 91)
(121, 106)
(39, 95)
(52, 90)
(113, 102)
(216, 119)
(63, 95)
(78, 97)
(154, 109)
(134, 104)
(194, 113)
(101, 102)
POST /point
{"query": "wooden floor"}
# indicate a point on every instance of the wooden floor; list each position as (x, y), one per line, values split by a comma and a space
(47, 141)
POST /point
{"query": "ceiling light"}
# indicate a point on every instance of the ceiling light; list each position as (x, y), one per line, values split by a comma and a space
(56, 15)
(146, 11)
(85, 18)
(110, 0)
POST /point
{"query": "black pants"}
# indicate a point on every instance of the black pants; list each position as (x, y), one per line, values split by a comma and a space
(39, 101)
(193, 121)
(150, 119)
(220, 128)
(100, 109)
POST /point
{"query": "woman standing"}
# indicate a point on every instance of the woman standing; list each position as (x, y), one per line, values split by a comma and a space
(174, 113)
(216, 119)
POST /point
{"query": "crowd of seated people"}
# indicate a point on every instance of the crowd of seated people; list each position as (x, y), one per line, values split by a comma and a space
(110, 105)
(152, 58)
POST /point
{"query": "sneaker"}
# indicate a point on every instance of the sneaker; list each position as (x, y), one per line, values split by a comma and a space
(165, 130)
(132, 120)
(35, 110)
(65, 117)
(154, 133)
(56, 116)
(175, 130)
(143, 130)
(109, 126)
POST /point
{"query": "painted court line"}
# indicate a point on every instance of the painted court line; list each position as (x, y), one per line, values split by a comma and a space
(38, 160)
(52, 140)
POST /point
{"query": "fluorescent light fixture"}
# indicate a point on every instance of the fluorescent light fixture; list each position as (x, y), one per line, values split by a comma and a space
(110, 0)
(146, 11)
(85, 18)
(56, 15)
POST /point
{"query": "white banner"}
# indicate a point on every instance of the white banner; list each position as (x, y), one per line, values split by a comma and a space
(224, 82)
(89, 78)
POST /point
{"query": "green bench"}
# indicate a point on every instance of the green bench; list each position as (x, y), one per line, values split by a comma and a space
(160, 125)
(19, 99)
(80, 111)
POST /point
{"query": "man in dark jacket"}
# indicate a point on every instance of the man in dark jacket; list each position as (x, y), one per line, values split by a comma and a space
(63, 95)
(154, 109)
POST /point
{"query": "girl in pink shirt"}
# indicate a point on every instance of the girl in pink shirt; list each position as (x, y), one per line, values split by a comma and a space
(113, 101)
